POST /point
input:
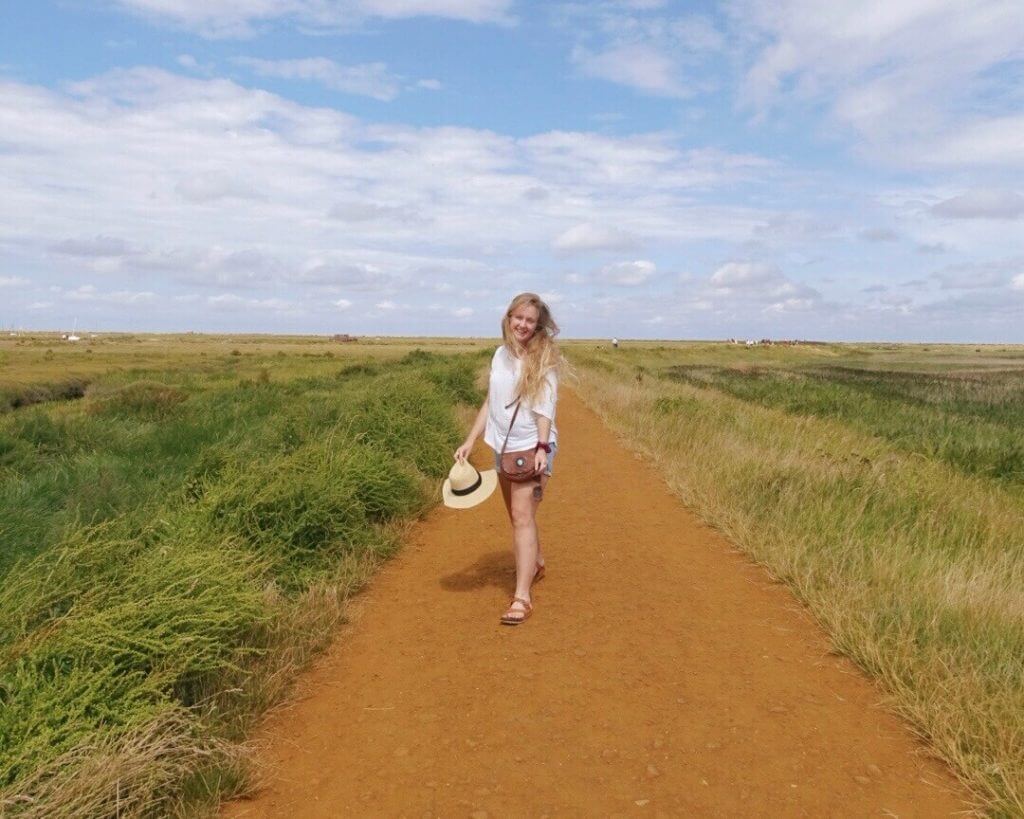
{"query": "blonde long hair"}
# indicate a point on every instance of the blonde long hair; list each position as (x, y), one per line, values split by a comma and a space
(540, 354)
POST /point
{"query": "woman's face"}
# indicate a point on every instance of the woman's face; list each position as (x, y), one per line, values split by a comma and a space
(523, 322)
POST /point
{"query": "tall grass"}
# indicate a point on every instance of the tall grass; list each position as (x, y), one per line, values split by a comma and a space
(136, 650)
(913, 567)
(969, 420)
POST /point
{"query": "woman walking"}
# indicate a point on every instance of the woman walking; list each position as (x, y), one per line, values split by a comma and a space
(519, 414)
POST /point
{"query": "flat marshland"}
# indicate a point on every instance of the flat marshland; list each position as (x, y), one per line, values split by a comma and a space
(182, 519)
(179, 532)
(885, 485)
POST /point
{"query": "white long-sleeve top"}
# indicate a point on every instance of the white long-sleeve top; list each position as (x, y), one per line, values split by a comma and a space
(505, 369)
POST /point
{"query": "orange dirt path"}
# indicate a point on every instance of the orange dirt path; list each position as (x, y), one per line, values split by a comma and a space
(661, 674)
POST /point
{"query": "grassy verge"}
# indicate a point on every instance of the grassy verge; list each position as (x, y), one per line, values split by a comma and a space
(142, 638)
(972, 421)
(914, 567)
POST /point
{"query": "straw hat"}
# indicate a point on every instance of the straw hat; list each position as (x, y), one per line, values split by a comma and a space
(466, 487)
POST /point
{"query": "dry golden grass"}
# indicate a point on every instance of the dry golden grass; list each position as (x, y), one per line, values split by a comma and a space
(913, 568)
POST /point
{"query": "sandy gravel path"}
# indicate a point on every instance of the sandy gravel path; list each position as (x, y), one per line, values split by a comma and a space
(661, 674)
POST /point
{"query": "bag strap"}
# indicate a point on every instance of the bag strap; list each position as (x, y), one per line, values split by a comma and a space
(504, 446)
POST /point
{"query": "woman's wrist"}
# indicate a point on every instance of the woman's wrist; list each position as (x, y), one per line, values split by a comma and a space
(543, 445)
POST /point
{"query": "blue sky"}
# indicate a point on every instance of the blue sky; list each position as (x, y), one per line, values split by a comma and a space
(745, 168)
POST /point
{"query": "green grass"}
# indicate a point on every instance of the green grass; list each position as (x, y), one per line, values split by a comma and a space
(972, 421)
(177, 543)
(870, 487)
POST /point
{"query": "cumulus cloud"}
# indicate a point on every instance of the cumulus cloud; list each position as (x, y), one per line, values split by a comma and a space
(905, 77)
(745, 275)
(207, 183)
(373, 212)
(792, 305)
(979, 275)
(628, 274)
(879, 234)
(982, 203)
(95, 247)
(202, 188)
(639, 65)
(235, 302)
(89, 293)
(12, 281)
(366, 79)
(760, 282)
(586, 237)
(654, 54)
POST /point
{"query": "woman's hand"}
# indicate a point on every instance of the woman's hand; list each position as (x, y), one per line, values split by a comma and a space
(463, 451)
(540, 461)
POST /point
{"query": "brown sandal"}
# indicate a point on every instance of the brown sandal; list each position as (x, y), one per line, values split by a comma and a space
(512, 616)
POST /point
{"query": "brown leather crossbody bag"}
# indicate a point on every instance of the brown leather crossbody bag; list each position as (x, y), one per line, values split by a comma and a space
(518, 466)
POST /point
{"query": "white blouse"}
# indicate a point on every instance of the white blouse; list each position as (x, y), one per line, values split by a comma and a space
(505, 369)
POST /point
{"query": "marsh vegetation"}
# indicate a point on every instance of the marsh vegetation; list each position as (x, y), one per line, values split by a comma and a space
(180, 539)
(883, 485)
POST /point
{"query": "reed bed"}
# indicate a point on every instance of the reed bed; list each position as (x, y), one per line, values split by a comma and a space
(912, 565)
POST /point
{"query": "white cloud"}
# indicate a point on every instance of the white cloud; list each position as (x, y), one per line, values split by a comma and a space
(904, 76)
(386, 305)
(732, 275)
(791, 306)
(759, 282)
(89, 293)
(232, 18)
(202, 188)
(992, 142)
(1017, 282)
(342, 304)
(658, 55)
(366, 79)
(979, 275)
(462, 312)
(586, 237)
(982, 203)
(96, 247)
(628, 274)
(209, 184)
(638, 65)
(12, 281)
(879, 234)
(235, 302)
(372, 212)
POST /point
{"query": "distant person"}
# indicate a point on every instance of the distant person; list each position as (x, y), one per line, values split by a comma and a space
(524, 372)
(615, 343)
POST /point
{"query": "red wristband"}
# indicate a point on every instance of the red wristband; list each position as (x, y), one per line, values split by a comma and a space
(545, 447)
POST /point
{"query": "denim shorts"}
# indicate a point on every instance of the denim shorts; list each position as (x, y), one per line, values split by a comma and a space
(551, 460)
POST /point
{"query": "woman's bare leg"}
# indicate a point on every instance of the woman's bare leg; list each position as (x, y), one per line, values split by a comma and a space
(506, 493)
(523, 510)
